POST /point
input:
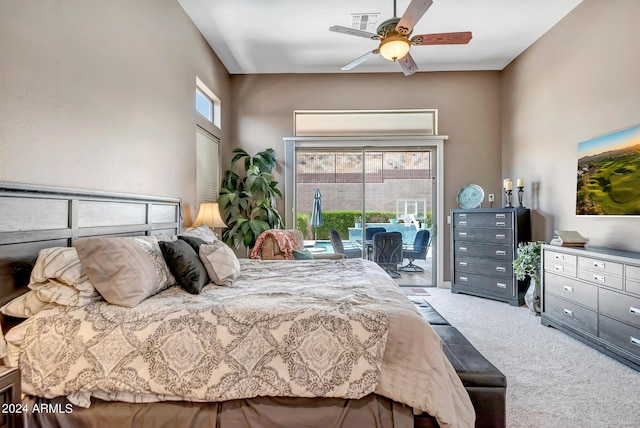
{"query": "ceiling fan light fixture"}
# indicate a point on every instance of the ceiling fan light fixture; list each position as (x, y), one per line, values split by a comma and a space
(395, 47)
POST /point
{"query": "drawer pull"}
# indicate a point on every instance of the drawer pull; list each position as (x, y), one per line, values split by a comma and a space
(558, 256)
(462, 234)
(462, 263)
(463, 249)
(501, 216)
(500, 236)
(501, 253)
(463, 216)
(559, 268)
(634, 311)
(501, 223)
(464, 279)
(462, 223)
(598, 278)
(599, 265)
(568, 312)
(569, 289)
(501, 285)
(634, 341)
(501, 269)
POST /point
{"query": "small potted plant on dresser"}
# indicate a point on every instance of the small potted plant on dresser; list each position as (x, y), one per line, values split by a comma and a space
(527, 264)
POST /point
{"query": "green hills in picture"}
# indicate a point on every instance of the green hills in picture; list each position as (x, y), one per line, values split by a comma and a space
(608, 181)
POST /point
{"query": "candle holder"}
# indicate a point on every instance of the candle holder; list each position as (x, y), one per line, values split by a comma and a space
(508, 194)
(520, 195)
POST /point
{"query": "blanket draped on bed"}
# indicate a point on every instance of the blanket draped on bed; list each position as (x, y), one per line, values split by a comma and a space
(285, 240)
(300, 329)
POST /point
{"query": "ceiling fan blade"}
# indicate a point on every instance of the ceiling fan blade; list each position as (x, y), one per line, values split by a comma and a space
(357, 62)
(412, 15)
(354, 32)
(408, 65)
(460, 38)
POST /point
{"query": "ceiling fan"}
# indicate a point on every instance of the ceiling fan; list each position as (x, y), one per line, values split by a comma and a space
(394, 33)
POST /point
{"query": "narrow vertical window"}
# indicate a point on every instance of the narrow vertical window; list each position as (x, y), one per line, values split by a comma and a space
(208, 105)
(204, 105)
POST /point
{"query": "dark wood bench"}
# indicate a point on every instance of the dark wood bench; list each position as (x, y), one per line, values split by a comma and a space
(486, 385)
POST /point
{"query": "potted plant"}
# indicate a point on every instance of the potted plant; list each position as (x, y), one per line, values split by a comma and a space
(358, 222)
(248, 201)
(527, 264)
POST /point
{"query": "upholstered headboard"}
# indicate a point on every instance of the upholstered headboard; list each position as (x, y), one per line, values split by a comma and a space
(36, 217)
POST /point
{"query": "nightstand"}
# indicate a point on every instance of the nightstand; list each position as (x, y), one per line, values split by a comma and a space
(10, 416)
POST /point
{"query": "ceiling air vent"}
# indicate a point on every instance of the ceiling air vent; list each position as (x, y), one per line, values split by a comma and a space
(364, 21)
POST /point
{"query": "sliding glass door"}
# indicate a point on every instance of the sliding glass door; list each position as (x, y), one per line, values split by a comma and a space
(390, 188)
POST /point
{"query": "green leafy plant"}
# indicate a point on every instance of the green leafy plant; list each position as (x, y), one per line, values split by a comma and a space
(248, 200)
(527, 261)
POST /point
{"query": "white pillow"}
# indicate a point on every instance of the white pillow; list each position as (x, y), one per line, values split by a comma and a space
(203, 232)
(125, 270)
(25, 305)
(220, 261)
(63, 265)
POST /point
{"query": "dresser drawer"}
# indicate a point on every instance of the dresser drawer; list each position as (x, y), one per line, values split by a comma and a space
(621, 335)
(499, 286)
(480, 219)
(560, 268)
(571, 313)
(620, 306)
(478, 249)
(601, 278)
(483, 266)
(632, 285)
(486, 236)
(572, 290)
(560, 258)
(596, 265)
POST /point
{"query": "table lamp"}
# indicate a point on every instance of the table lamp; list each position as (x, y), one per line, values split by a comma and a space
(209, 215)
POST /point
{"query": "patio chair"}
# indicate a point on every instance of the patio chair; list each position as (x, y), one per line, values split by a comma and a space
(419, 251)
(338, 246)
(370, 231)
(387, 251)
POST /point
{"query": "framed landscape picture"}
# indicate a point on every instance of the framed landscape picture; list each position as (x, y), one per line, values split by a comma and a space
(608, 181)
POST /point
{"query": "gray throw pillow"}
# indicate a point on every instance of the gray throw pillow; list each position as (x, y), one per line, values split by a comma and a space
(185, 265)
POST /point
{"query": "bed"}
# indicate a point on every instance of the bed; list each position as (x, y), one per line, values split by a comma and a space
(286, 343)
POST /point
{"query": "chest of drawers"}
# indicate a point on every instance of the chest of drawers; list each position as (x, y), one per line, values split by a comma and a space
(483, 247)
(593, 294)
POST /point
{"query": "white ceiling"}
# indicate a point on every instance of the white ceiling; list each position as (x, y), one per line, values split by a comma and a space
(292, 36)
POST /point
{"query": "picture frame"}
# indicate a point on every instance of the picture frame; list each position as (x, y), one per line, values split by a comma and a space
(608, 175)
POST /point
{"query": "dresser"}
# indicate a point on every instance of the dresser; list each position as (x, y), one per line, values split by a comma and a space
(593, 294)
(483, 247)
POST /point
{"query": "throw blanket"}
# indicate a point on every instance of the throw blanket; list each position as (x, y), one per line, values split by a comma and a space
(283, 238)
(323, 328)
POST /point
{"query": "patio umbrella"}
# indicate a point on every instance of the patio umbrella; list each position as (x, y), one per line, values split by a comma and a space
(316, 212)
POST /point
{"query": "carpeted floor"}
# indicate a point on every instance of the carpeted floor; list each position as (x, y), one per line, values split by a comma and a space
(553, 380)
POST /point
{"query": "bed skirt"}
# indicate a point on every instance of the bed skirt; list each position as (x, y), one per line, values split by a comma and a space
(261, 412)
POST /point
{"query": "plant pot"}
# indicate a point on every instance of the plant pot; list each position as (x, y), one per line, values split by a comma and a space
(532, 296)
(358, 225)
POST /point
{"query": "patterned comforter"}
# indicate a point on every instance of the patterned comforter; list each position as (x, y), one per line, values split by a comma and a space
(324, 328)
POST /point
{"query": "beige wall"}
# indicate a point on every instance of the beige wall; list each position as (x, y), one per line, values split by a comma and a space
(579, 81)
(468, 104)
(100, 95)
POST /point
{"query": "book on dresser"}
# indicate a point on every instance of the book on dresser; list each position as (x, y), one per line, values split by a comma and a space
(593, 294)
(483, 247)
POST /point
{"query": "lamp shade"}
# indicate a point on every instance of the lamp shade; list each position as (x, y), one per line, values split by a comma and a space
(395, 47)
(209, 215)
